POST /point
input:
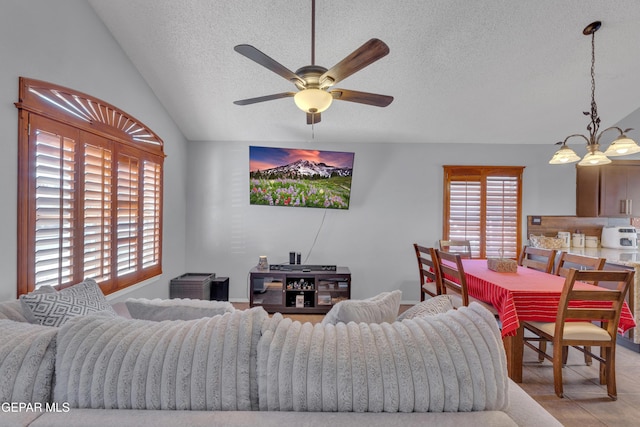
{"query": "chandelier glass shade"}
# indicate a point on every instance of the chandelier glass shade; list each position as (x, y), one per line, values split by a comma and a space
(594, 158)
(622, 146)
(563, 156)
(313, 100)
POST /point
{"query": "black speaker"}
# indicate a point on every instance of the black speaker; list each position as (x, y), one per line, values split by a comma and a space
(220, 289)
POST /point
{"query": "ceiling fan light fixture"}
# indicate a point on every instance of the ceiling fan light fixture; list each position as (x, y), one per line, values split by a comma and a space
(622, 146)
(313, 100)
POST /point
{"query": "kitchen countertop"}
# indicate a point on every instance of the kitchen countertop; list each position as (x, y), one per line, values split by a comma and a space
(627, 257)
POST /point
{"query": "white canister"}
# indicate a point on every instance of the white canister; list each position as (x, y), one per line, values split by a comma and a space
(590, 241)
(578, 240)
(566, 238)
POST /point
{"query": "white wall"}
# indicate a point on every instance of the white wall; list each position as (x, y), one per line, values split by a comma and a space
(64, 42)
(396, 200)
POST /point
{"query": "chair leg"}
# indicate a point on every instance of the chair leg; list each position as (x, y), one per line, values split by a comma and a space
(565, 355)
(587, 359)
(611, 372)
(542, 346)
(558, 352)
(603, 366)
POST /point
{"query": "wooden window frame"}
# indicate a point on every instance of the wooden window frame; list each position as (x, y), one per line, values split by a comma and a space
(92, 122)
(481, 174)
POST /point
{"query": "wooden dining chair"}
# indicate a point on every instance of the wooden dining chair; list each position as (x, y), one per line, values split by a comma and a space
(579, 262)
(461, 247)
(453, 280)
(428, 268)
(537, 258)
(574, 323)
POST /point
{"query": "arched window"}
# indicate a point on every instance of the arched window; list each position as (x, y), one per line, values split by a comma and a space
(89, 191)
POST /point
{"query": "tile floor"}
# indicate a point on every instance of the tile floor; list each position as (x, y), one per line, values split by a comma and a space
(586, 402)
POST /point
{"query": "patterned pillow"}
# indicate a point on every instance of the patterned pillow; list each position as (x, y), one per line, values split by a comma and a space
(55, 309)
(430, 307)
(378, 309)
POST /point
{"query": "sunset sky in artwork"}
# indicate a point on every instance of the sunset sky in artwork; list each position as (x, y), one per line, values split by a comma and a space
(261, 158)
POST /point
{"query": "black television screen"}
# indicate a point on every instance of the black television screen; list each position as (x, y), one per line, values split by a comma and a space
(299, 177)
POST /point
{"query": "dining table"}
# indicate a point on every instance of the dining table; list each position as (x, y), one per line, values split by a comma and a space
(524, 295)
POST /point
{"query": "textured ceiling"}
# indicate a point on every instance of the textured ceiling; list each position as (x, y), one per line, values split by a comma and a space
(461, 71)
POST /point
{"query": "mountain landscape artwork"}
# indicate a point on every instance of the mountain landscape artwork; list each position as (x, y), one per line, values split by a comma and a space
(300, 177)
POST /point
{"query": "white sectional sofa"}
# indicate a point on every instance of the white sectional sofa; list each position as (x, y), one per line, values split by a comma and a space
(244, 367)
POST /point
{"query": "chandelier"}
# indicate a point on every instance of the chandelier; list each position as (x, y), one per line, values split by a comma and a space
(621, 146)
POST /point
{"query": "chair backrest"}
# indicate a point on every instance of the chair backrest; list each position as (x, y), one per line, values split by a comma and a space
(537, 258)
(609, 313)
(460, 247)
(452, 276)
(428, 268)
(579, 262)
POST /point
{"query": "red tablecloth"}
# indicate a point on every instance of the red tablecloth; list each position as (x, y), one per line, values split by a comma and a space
(524, 295)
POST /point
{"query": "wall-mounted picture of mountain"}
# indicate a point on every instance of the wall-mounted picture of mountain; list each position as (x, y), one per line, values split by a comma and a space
(296, 177)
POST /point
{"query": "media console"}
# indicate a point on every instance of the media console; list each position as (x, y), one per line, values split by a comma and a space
(295, 288)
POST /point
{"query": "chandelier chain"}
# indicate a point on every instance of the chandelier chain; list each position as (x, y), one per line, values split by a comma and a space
(595, 120)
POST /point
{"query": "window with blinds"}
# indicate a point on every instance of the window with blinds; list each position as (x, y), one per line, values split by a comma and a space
(90, 192)
(482, 204)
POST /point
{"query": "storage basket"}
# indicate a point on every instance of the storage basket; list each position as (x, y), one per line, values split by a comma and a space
(502, 265)
(545, 242)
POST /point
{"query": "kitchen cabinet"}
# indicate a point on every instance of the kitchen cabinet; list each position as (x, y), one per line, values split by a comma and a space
(611, 190)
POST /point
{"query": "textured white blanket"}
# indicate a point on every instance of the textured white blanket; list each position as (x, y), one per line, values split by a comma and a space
(449, 362)
(27, 359)
(204, 364)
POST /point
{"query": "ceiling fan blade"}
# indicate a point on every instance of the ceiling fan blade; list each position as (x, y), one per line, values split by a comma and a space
(312, 119)
(361, 97)
(264, 98)
(266, 61)
(365, 55)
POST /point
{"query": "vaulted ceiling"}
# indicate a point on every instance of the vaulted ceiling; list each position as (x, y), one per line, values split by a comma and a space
(461, 71)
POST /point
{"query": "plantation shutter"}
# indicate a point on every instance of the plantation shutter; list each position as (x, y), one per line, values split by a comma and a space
(151, 226)
(54, 170)
(128, 215)
(465, 214)
(98, 205)
(502, 214)
(483, 205)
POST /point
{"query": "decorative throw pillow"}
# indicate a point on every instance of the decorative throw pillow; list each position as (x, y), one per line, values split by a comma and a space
(430, 307)
(175, 309)
(13, 310)
(55, 309)
(378, 309)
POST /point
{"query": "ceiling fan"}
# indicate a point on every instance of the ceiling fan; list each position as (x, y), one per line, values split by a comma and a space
(315, 83)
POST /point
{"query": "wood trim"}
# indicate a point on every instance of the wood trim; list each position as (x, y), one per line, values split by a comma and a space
(101, 117)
